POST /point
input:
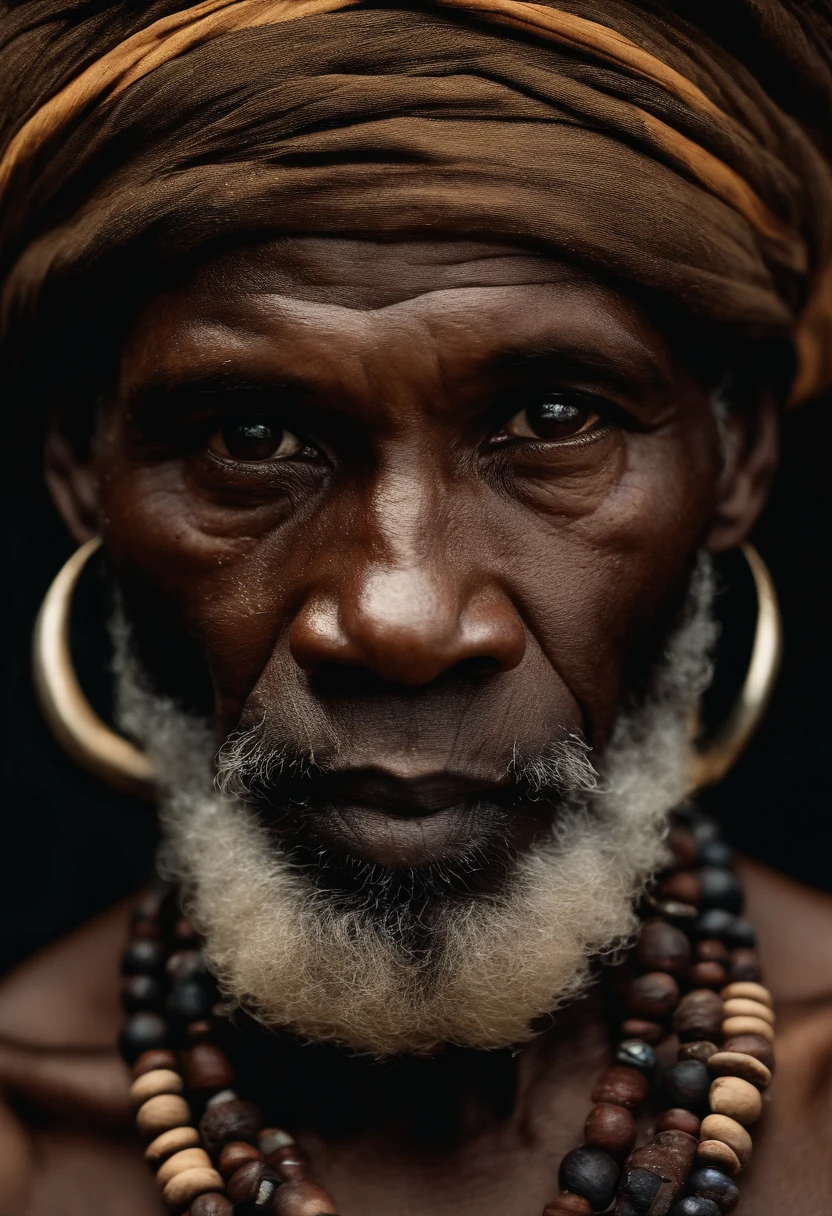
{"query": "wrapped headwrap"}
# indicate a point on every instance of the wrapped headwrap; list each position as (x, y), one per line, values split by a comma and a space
(680, 146)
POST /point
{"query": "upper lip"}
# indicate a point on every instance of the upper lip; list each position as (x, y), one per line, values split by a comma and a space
(424, 794)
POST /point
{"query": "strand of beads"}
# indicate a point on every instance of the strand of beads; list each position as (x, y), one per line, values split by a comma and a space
(697, 977)
(211, 1153)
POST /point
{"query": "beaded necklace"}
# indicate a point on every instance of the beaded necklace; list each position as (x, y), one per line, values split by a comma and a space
(696, 977)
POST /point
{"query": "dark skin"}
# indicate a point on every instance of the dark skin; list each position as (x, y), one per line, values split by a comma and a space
(479, 480)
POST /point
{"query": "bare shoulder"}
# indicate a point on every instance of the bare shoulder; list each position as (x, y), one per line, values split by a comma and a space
(65, 1119)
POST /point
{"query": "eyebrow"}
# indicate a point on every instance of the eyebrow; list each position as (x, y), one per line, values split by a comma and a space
(155, 396)
(618, 371)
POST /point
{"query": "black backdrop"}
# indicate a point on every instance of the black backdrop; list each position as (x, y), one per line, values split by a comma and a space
(70, 847)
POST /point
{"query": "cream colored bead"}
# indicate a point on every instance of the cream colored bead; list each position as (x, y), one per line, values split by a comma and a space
(185, 1187)
(161, 1113)
(721, 1127)
(731, 1027)
(738, 1064)
(719, 1156)
(739, 1007)
(160, 1081)
(174, 1141)
(188, 1159)
(736, 1098)
(748, 991)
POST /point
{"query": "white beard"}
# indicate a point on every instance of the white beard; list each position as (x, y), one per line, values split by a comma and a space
(294, 957)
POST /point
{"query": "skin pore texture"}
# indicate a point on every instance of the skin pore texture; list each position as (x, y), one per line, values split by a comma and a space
(408, 511)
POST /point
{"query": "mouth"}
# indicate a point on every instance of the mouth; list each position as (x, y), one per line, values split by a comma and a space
(403, 823)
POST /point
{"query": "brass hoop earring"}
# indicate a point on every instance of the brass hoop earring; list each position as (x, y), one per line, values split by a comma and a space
(712, 759)
(74, 723)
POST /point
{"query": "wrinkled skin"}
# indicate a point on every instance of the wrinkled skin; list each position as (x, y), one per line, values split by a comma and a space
(417, 568)
(427, 583)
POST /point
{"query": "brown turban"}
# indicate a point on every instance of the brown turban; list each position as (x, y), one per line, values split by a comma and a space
(682, 146)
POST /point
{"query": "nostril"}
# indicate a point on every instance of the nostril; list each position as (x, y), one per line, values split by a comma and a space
(479, 665)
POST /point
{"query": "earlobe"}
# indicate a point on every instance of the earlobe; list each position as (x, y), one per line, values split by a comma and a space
(752, 453)
(73, 484)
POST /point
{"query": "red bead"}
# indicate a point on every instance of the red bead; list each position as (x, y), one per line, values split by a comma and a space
(681, 887)
(678, 1120)
(290, 1163)
(301, 1199)
(611, 1127)
(682, 844)
(236, 1154)
(662, 947)
(206, 1067)
(567, 1204)
(712, 951)
(699, 1016)
(149, 1061)
(745, 966)
(244, 1183)
(652, 996)
(639, 1028)
(752, 1045)
(200, 1032)
(621, 1086)
(701, 1050)
(708, 975)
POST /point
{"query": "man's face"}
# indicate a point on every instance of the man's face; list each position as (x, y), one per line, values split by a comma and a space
(418, 508)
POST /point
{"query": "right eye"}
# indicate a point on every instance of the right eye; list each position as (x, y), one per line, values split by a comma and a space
(254, 441)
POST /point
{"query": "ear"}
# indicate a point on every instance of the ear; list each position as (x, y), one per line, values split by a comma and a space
(72, 480)
(752, 447)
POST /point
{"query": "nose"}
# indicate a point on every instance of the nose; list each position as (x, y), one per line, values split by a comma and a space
(409, 624)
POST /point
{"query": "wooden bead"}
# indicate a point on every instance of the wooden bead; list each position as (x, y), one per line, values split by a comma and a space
(698, 1050)
(738, 1064)
(244, 1183)
(699, 1016)
(290, 1163)
(159, 1081)
(752, 1045)
(655, 1173)
(640, 1028)
(746, 1025)
(708, 975)
(682, 887)
(302, 1199)
(745, 966)
(185, 1187)
(235, 1154)
(612, 1128)
(740, 1007)
(652, 996)
(162, 1113)
(687, 1085)
(678, 1120)
(662, 947)
(621, 1087)
(682, 845)
(590, 1171)
(171, 1142)
(737, 1099)
(718, 1156)
(232, 1120)
(201, 1031)
(188, 1159)
(206, 1067)
(210, 1204)
(711, 950)
(748, 991)
(151, 1061)
(721, 1127)
(567, 1204)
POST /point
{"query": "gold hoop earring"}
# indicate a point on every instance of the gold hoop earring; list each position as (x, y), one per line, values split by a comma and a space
(74, 723)
(712, 759)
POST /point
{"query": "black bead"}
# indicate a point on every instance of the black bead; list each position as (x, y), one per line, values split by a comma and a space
(591, 1172)
(720, 889)
(635, 1054)
(693, 1205)
(705, 831)
(143, 992)
(712, 1184)
(142, 957)
(715, 922)
(741, 935)
(191, 1000)
(642, 1186)
(718, 854)
(143, 1032)
(184, 965)
(687, 1084)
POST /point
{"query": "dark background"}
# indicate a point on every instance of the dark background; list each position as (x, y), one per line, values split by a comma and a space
(70, 846)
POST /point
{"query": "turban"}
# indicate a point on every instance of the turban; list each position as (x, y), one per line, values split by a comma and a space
(681, 147)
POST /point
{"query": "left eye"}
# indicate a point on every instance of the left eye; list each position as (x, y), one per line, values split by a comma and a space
(254, 441)
(555, 416)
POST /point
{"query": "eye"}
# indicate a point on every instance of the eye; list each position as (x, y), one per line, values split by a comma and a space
(555, 416)
(254, 441)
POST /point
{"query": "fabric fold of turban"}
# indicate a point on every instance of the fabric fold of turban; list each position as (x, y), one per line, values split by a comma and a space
(681, 147)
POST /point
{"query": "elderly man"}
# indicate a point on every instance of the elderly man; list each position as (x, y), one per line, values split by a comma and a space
(408, 363)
